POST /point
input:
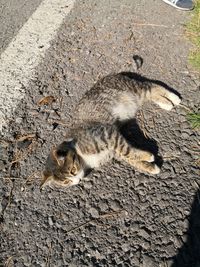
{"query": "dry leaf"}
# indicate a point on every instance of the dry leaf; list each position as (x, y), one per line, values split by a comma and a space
(47, 100)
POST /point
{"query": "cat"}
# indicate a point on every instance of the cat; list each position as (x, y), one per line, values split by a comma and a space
(94, 135)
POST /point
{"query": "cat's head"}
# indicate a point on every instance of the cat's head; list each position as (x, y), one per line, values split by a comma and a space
(63, 166)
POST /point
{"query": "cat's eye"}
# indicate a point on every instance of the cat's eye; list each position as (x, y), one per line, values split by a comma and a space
(66, 182)
(73, 171)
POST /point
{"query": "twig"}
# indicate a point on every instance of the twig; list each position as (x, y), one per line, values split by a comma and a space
(25, 137)
(15, 161)
(30, 178)
(61, 103)
(103, 216)
(151, 24)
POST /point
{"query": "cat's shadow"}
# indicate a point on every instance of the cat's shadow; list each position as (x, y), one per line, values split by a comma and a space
(135, 136)
(189, 253)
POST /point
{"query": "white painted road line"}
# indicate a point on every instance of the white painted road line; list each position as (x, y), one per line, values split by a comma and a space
(25, 52)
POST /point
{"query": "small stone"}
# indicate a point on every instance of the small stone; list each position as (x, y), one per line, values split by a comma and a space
(2, 166)
(145, 245)
(19, 120)
(170, 250)
(148, 261)
(88, 185)
(143, 233)
(97, 255)
(50, 221)
(58, 225)
(115, 205)
(103, 206)
(184, 135)
(94, 212)
(125, 247)
(22, 189)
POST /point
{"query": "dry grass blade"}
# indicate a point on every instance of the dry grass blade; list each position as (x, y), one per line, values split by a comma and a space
(8, 262)
(185, 107)
(47, 100)
(60, 122)
(112, 214)
(4, 143)
(18, 156)
(151, 25)
(25, 137)
(48, 263)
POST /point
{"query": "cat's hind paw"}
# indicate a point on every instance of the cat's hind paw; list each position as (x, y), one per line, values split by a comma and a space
(175, 99)
(148, 167)
(151, 158)
(155, 169)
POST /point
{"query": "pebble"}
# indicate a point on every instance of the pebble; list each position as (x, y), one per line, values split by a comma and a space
(143, 233)
(50, 221)
(103, 206)
(93, 212)
(125, 247)
(185, 135)
(115, 205)
(19, 120)
(148, 261)
(87, 185)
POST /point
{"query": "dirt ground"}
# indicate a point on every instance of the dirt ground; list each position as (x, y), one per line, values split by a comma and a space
(116, 216)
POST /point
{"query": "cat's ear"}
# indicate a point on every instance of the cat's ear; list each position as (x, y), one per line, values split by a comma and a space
(57, 160)
(46, 179)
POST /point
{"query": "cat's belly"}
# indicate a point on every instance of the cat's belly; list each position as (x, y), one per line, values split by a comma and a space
(124, 112)
(126, 107)
(95, 160)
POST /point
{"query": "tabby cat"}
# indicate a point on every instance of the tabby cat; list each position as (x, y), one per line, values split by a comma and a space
(94, 137)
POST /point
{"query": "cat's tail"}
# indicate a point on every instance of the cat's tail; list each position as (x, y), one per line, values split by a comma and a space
(163, 97)
(137, 62)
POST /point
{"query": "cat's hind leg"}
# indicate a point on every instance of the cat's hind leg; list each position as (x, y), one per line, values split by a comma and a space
(148, 167)
(164, 98)
(140, 159)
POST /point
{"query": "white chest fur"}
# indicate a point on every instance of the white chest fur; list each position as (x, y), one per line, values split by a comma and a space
(95, 160)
